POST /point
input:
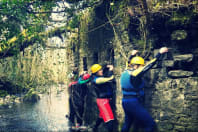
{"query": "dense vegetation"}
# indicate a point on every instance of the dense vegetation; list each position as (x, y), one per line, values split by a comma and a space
(23, 22)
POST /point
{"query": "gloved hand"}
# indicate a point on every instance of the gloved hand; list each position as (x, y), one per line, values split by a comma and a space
(110, 67)
(163, 50)
(134, 52)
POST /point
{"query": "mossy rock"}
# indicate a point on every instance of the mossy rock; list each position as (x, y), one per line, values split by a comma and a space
(31, 96)
(179, 35)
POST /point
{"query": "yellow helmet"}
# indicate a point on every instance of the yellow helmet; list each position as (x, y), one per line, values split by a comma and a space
(137, 60)
(95, 68)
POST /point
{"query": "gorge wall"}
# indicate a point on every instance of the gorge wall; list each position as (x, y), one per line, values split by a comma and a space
(171, 92)
(106, 38)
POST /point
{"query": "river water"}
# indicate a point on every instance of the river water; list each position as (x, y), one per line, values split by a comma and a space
(48, 114)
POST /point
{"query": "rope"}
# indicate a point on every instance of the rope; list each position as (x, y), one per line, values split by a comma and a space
(118, 45)
(102, 25)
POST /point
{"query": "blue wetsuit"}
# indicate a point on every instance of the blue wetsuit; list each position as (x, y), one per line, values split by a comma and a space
(132, 89)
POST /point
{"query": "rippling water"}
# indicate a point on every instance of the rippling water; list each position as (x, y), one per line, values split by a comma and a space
(46, 115)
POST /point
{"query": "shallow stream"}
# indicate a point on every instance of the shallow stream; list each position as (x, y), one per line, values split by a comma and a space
(48, 114)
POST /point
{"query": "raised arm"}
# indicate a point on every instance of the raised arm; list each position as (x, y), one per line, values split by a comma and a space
(150, 64)
(80, 81)
(101, 80)
(133, 54)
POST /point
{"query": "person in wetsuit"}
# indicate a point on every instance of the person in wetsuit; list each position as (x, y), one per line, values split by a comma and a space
(78, 92)
(104, 92)
(71, 87)
(79, 98)
(132, 86)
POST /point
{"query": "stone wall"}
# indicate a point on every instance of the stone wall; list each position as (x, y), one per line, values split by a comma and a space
(171, 85)
(171, 95)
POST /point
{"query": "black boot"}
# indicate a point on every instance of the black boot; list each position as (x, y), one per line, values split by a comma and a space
(109, 126)
(98, 122)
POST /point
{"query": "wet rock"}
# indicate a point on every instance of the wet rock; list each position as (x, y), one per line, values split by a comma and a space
(17, 100)
(7, 99)
(179, 73)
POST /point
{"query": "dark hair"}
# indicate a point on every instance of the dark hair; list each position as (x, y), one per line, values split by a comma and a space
(105, 70)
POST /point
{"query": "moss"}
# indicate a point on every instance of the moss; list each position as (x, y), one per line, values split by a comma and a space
(180, 18)
(179, 35)
(86, 21)
(74, 22)
(126, 21)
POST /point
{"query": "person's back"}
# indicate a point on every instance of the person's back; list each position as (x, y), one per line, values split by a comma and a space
(131, 86)
(132, 89)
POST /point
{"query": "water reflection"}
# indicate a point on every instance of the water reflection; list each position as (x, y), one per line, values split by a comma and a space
(46, 115)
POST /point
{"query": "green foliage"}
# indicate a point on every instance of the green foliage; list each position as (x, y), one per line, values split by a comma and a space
(126, 21)
(180, 17)
(15, 16)
(115, 5)
(86, 20)
(139, 42)
(32, 16)
(74, 22)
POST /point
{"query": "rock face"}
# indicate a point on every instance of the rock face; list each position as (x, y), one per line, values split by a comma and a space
(172, 104)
